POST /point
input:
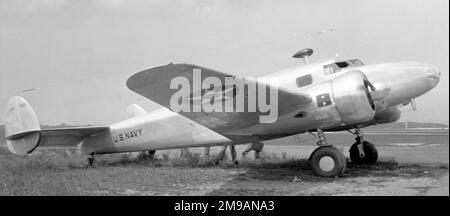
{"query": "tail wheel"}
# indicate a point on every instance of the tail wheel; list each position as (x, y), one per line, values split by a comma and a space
(370, 154)
(327, 161)
(91, 161)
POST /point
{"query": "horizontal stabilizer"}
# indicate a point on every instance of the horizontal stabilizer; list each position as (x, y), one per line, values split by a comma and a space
(24, 134)
(68, 137)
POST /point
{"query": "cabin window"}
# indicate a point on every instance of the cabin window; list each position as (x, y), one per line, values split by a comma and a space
(304, 81)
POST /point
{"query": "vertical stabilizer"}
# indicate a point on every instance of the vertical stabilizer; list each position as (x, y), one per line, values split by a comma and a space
(134, 110)
(22, 128)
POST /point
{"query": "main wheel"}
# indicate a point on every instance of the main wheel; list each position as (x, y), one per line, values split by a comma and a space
(327, 161)
(370, 154)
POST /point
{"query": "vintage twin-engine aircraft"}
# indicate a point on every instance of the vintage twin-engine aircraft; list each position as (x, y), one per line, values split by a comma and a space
(313, 97)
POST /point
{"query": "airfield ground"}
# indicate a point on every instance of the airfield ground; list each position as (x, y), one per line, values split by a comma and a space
(413, 168)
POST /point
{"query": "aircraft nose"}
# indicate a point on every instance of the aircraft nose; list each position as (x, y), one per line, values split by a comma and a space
(433, 75)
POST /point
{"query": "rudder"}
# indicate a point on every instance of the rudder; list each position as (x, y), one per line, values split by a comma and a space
(22, 128)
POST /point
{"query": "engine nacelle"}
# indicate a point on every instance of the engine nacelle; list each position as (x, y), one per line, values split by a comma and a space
(388, 115)
(352, 98)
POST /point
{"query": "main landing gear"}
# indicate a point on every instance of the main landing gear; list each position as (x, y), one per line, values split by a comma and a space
(362, 152)
(327, 160)
(223, 152)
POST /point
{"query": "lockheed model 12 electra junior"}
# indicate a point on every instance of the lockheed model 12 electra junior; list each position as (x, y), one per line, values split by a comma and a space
(204, 107)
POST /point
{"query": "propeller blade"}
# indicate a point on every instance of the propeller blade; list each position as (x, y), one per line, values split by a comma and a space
(380, 94)
(374, 93)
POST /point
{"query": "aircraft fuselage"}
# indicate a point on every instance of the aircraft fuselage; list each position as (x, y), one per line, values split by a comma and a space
(163, 129)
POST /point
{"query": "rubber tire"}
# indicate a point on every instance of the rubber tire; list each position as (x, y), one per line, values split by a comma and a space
(335, 154)
(371, 154)
(91, 161)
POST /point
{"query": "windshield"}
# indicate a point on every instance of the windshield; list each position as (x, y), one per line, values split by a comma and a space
(356, 62)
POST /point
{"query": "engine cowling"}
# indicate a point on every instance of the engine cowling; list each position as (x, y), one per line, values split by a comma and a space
(388, 115)
(352, 98)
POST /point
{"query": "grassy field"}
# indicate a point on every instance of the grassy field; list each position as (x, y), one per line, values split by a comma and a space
(282, 171)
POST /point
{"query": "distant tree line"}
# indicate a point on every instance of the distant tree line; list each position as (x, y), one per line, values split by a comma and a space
(403, 125)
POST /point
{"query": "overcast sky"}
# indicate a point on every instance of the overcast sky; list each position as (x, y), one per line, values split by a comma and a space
(79, 54)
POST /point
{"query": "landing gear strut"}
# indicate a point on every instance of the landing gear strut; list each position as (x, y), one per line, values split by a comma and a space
(223, 152)
(362, 152)
(327, 160)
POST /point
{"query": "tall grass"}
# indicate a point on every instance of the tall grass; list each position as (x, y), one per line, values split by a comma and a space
(61, 172)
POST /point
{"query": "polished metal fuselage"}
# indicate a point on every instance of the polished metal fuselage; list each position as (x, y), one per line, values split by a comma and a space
(164, 129)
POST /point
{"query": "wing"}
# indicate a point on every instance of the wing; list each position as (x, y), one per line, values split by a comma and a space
(154, 84)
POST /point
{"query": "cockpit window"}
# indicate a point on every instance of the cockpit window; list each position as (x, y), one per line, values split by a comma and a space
(356, 62)
(330, 69)
(342, 64)
(338, 66)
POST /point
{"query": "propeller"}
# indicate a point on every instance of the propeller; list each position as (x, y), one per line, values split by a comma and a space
(379, 94)
(376, 94)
